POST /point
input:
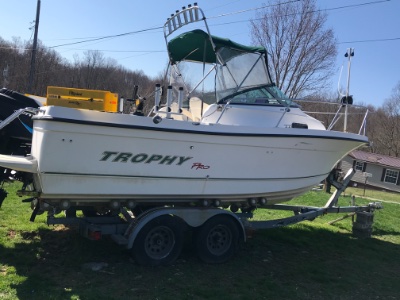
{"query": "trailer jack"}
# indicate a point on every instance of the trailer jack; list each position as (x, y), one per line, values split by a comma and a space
(3, 195)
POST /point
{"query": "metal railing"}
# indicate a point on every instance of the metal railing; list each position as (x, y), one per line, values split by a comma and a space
(339, 114)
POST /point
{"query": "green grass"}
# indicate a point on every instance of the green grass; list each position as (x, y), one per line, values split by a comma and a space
(309, 260)
(381, 195)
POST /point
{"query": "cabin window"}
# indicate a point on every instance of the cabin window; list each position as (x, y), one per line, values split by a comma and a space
(391, 176)
(359, 166)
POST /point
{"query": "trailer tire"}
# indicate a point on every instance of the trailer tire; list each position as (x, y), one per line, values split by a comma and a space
(217, 240)
(159, 242)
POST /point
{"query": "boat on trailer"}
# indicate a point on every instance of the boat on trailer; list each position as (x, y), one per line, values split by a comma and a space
(249, 146)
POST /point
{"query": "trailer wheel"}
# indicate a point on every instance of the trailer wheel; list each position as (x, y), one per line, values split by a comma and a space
(217, 239)
(159, 242)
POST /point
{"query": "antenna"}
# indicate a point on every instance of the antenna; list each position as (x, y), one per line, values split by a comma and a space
(349, 54)
(347, 99)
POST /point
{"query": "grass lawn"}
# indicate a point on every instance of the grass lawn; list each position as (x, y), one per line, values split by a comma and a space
(309, 260)
(382, 195)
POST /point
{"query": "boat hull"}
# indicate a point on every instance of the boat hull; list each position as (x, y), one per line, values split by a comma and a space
(96, 156)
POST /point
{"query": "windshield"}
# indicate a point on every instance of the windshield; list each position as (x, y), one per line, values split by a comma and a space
(265, 95)
(213, 68)
(240, 72)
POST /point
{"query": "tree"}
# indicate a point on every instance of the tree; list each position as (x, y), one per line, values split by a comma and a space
(94, 59)
(386, 128)
(301, 52)
(15, 59)
(49, 66)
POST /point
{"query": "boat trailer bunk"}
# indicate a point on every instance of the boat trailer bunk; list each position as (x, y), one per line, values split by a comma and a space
(155, 236)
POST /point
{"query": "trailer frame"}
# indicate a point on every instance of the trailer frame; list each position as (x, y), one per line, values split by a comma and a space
(155, 236)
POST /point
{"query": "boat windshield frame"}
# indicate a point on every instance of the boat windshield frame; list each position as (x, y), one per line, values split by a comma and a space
(269, 95)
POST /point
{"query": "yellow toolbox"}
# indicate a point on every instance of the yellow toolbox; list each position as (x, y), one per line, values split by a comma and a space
(81, 98)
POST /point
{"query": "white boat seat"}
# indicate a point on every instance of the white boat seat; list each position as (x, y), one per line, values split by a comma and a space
(195, 108)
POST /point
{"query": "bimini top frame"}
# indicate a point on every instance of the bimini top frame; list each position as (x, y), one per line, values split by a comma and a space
(197, 45)
(237, 67)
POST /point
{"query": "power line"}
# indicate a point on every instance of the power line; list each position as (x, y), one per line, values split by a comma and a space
(356, 5)
(87, 40)
(252, 9)
(226, 4)
(17, 48)
(121, 51)
(107, 37)
(223, 15)
(334, 8)
(161, 51)
(371, 41)
(90, 39)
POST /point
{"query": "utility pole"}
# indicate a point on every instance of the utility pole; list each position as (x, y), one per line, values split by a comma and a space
(34, 48)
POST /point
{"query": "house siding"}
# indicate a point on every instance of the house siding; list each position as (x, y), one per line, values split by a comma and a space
(377, 171)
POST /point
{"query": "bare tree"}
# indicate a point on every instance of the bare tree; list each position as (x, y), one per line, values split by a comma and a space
(386, 122)
(301, 52)
(49, 70)
(15, 59)
(93, 61)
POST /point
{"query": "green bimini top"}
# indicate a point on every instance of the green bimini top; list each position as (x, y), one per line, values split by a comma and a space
(195, 46)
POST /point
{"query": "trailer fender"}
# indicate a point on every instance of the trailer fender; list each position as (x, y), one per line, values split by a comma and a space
(193, 217)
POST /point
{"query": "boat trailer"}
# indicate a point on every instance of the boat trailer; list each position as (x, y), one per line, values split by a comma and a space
(156, 235)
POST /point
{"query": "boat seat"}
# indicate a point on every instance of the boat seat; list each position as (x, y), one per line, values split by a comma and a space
(195, 104)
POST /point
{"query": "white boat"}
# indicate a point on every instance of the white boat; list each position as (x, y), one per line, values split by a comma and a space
(252, 146)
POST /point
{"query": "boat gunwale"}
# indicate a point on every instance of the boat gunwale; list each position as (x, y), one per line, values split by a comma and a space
(315, 134)
(184, 178)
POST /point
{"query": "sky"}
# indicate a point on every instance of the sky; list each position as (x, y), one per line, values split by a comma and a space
(370, 27)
